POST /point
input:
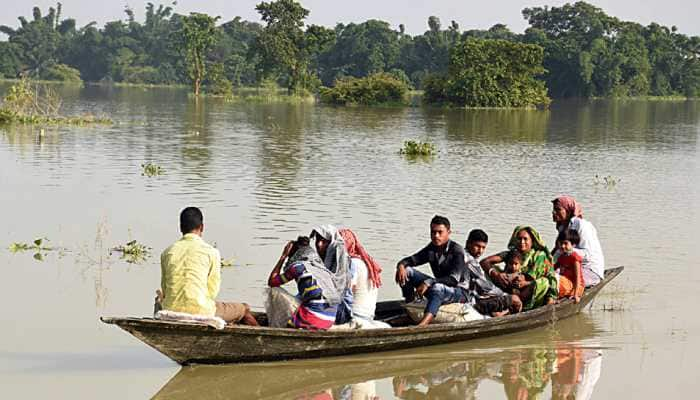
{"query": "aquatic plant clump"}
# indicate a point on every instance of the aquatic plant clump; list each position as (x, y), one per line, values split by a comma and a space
(151, 170)
(376, 89)
(607, 181)
(38, 245)
(133, 252)
(418, 148)
(30, 103)
(227, 262)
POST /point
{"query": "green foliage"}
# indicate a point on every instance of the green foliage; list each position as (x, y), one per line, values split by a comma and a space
(417, 148)
(281, 46)
(198, 37)
(151, 170)
(379, 88)
(29, 103)
(140, 75)
(587, 53)
(490, 73)
(133, 252)
(360, 50)
(62, 73)
(217, 84)
(39, 246)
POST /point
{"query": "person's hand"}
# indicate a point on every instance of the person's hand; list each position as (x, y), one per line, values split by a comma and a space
(401, 275)
(421, 289)
(498, 278)
(521, 282)
(287, 249)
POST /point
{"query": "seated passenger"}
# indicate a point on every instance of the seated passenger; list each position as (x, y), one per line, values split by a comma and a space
(446, 259)
(365, 283)
(540, 286)
(488, 298)
(318, 293)
(567, 214)
(330, 246)
(191, 275)
(568, 264)
(513, 275)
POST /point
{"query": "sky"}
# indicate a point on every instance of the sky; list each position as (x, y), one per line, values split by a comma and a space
(470, 14)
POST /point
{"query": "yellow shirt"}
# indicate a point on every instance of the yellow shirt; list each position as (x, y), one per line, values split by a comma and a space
(190, 276)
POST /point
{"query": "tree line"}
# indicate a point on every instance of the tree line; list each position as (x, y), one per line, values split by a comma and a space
(576, 50)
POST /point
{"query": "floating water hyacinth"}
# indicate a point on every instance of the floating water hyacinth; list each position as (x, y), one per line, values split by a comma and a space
(418, 148)
(39, 246)
(609, 180)
(150, 170)
(133, 252)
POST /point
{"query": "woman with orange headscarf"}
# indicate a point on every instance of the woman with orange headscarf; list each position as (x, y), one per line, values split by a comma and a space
(568, 214)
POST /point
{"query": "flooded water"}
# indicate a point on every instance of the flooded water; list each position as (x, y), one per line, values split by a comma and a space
(264, 173)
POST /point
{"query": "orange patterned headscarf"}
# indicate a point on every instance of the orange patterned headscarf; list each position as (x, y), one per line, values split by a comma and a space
(355, 250)
(572, 207)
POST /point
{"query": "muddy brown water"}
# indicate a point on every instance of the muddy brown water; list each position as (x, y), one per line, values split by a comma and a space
(264, 173)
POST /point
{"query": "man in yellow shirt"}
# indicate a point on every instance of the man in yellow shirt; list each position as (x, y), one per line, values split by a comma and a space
(191, 275)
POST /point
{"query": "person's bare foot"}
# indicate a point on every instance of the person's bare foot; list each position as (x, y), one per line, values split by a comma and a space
(249, 319)
(427, 319)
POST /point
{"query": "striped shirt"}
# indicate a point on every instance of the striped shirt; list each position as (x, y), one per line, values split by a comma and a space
(314, 313)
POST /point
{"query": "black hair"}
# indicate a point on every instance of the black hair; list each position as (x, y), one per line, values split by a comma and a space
(569, 235)
(302, 241)
(512, 256)
(440, 220)
(477, 235)
(191, 218)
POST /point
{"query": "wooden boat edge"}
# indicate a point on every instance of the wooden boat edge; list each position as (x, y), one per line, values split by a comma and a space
(590, 294)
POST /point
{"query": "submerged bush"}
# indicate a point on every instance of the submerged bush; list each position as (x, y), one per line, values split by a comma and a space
(62, 73)
(29, 103)
(379, 88)
(490, 73)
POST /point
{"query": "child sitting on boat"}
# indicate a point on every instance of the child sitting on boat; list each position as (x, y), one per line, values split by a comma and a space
(568, 264)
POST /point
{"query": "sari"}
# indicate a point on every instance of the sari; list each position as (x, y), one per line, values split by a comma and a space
(537, 264)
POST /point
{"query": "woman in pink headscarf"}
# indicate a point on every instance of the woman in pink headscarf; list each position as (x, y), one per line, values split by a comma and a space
(567, 214)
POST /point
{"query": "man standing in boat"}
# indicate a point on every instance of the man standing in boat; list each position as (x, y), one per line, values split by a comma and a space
(191, 275)
(446, 259)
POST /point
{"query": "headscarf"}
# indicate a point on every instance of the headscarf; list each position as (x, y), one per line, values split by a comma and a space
(314, 265)
(538, 264)
(537, 242)
(355, 250)
(572, 207)
(336, 260)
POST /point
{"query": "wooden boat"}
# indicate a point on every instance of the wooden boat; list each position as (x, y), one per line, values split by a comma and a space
(191, 343)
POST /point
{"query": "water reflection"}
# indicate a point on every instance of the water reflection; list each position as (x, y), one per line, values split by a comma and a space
(562, 365)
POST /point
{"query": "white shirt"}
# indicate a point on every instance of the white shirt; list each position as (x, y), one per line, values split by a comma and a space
(365, 293)
(593, 264)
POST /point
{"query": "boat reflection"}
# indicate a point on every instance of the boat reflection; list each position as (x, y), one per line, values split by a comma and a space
(555, 365)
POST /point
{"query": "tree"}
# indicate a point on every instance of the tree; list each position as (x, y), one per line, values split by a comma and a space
(360, 50)
(280, 45)
(35, 43)
(568, 35)
(198, 37)
(490, 73)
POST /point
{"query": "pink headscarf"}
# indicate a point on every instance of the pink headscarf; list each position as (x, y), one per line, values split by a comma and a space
(355, 249)
(572, 207)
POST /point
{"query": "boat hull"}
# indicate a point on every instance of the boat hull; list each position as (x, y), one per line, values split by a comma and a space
(187, 343)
